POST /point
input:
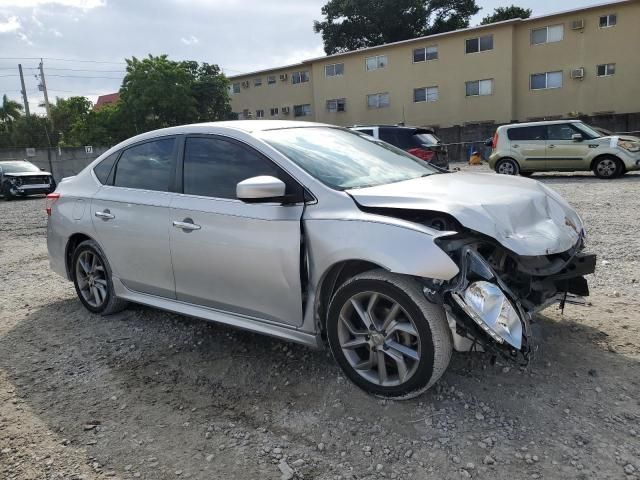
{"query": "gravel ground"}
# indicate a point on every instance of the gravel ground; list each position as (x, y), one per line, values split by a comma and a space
(149, 394)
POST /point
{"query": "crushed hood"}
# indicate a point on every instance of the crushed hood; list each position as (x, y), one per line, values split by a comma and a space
(522, 214)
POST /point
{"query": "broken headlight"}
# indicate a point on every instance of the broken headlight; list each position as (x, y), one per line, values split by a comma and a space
(489, 307)
(629, 145)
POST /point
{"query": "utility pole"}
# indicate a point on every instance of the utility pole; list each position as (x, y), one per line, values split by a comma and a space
(43, 86)
(24, 91)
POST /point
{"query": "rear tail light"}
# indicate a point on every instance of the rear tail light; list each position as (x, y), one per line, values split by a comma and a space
(494, 143)
(51, 199)
(422, 153)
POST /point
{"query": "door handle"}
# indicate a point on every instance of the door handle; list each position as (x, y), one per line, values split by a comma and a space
(187, 225)
(552, 146)
(106, 215)
(515, 146)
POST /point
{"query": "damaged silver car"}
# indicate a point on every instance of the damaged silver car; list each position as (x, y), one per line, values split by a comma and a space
(322, 236)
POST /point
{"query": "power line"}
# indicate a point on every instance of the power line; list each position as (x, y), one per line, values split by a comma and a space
(62, 60)
(84, 76)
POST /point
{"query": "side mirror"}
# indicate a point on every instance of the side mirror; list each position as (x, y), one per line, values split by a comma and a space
(261, 189)
(489, 142)
(42, 169)
(576, 137)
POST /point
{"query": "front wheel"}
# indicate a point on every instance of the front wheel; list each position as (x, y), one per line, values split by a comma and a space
(507, 166)
(387, 338)
(92, 279)
(607, 167)
(6, 193)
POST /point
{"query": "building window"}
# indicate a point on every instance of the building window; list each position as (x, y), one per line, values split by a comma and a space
(235, 88)
(336, 105)
(301, 110)
(274, 112)
(541, 81)
(259, 113)
(608, 21)
(378, 100)
(554, 33)
(426, 94)
(480, 44)
(300, 77)
(374, 63)
(424, 54)
(334, 70)
(606, 70)
(257, 82)
(476, 88)
(271, 79)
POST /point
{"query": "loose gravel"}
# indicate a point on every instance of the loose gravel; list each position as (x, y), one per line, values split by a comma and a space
(154, 395)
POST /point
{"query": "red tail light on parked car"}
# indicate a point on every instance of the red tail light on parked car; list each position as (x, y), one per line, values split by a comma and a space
(494, 144)
(422, 153)
(51, 199)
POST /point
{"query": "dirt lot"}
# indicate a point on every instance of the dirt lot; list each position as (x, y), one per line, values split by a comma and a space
(148, 394)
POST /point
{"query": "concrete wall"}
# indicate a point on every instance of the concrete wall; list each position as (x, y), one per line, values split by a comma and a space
(64, 162)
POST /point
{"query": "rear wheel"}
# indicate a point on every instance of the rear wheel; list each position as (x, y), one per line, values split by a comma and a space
(387, 338)
(607, 167)
(92, 279)
(508, 166)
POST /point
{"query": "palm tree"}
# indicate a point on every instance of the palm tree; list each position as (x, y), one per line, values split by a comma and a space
(9, 110)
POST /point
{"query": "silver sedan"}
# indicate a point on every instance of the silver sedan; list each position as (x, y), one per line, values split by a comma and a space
(319, 235)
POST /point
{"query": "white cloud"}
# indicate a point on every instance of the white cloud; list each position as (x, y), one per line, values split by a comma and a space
(82, 4)
(35, 20)
(11, 24)
(24, 38)
(55, 32)
(190, 40)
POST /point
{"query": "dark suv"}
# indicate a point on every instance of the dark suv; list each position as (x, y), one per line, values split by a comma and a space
(21, 178)
(419, 141)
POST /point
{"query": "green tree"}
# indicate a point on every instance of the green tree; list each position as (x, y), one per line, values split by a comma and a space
(354, 24)
(30, 131)
(210, 90)
(506, 13)
(105, 127)
(64, 114)
(10, 110)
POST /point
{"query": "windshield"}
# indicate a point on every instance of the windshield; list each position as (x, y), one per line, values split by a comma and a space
(592, 132)
(343, 159)
(18, 167)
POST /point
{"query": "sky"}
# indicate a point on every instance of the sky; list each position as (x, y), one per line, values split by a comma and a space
(84, 42)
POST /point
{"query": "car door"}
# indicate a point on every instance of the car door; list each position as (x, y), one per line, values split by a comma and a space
(130, 214)
(563, 152)
(528, 146)
(237, 257)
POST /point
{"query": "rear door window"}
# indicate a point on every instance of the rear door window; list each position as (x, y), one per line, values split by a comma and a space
(537, 132)
(147, 166)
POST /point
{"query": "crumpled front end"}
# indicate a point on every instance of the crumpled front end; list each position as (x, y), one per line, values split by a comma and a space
(491, 302)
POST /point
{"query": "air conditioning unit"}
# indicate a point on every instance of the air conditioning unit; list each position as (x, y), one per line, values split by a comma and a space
(285, 110)
(245, 84)
(283, 76)
(577, 72)
(577, 24)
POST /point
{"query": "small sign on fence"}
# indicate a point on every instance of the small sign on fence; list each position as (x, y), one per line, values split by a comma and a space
(31, 152)
(88, 149)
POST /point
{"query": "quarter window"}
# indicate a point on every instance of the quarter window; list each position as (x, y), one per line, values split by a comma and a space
(334, 69)
(271, 79)
(606, 70)
(103, 169)
(300, 77)
(477, 88)
(554, 33)
(301, 110)
(541, 81)
(479, 44)
(336, 105)
(426, 94)
(378, 100)
(147, 166)
(424, 54)
(377, 62)
(608, 21)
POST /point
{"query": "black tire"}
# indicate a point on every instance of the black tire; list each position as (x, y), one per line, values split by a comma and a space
(53, 186)
(110, 303)
(6, 193)
(607, 167)
(433, 341)
(526, 174)
(507, 166)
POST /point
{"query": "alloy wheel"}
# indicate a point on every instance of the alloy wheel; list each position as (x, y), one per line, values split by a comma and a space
(91, 278)
(507, 168)
(606, 167)
(379, 339)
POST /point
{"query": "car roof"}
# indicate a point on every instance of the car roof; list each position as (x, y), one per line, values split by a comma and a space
(533, 124)
(13, 162)
(403, 127)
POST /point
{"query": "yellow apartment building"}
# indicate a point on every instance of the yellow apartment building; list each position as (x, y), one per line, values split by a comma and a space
(571, 63)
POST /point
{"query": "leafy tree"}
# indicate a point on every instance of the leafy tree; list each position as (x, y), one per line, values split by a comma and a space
(210, 90)
(29, 131)
(354, 24)
(106, 126)
(64, 114)
(10, 110)
(506, 13)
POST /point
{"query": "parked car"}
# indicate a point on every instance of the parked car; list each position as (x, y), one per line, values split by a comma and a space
(313, 233)
(562, 145)
(21, 178)
(419, 141)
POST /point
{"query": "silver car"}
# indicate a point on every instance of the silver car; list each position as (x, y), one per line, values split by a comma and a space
(319, 235)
